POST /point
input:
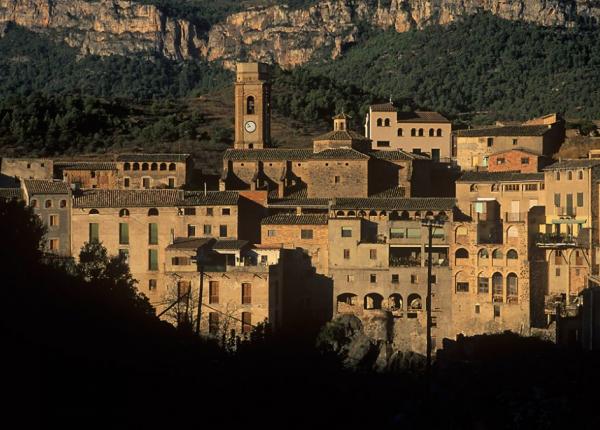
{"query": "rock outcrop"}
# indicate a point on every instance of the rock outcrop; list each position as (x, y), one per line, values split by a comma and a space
(275, 34)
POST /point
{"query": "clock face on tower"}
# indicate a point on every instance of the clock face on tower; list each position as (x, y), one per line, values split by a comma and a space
(250, 126)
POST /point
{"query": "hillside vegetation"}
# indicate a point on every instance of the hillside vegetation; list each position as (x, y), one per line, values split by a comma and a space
(53, 102)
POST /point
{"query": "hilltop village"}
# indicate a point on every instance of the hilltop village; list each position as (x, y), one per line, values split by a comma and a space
(296, 237)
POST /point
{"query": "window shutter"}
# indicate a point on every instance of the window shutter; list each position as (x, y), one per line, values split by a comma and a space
(152, 259)
(94, 232)
(246, 293)
(123, 233)
(153, 234)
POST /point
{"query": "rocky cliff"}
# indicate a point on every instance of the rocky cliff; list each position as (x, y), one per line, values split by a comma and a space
(274, 34)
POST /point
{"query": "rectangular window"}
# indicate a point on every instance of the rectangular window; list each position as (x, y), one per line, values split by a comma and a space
(531, 187)
(53, 244)
(435, 154)
(146, 183)
(222, 231)
(525, 160)
(152, 283)
(123, 233)
(350, 278)
(346, 232)
(189, 211)
(372, 278)
(171, 182)
(336, 179)
(180, 261)
(500, 160)
(153, 259)
(124, 254)
(579, 200)
(246, 293)
(476, 309)
(557, 272)
(395, 278)
(207, 229)
(183, 288)
(496, 311)
(53, 221)
(306, 234)
(94, 232)
(433, 279)
(271, 233)
(557, 200)
(226, 211)
(462, 287)
(490, 141)
(153, 233)
(246, 322)
(126, 182)
(413, 233)
(397, 233)
(213, 292)
(92, 174)
(191, 230)
(515, 141)
(346, 254)
(414, 279)
(511, 187)
(213, 323)
(209, 212)
(373, 254)
(383, 143)
(483, 285)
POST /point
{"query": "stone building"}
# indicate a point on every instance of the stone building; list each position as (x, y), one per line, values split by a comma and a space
(252, 106)
(145, 171)
(416, 132)
(516, 160)
(378, 256)
(88, 174)
(51, 201)
(27, 168)
(542, 136)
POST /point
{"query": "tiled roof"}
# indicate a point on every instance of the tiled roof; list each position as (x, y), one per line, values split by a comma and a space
(500, 177)
(383, 107)
(319, 203)
(397, 155)
(525, 150)
(511, 130)
(85, 165)
(269, 154)
(574, 164)
(229, 244)
(415, 203)
(167, 158)
(189, 242)
(216, 198)
(392, 192)
(421, 116)
(127, 198)
(10, 193)
(339, 154)
(341, 135)
(40, 186)
(293, 219)
(342, 116)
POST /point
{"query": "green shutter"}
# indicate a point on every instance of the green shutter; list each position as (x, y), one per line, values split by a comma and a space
(123, 233)
(153, 234)
(152, 259)
(94, 232)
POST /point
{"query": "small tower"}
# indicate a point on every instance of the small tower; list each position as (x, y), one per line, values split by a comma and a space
(340, 122)
(252, 106)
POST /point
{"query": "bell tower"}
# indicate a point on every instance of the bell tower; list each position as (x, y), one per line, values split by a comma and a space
(252, 106)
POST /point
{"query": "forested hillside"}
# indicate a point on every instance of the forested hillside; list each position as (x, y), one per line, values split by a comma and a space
(53, 101)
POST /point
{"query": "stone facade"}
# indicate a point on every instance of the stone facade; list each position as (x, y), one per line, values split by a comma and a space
(516, 160)
(28, 168)
(145, 171)
(252, 106)
(83, 174)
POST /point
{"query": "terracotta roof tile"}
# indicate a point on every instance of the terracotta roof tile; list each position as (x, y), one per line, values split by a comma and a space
(85, 165)
(500, 177)
(40, 186)
(415, 203)
(293, 219)
(341, 135)
(11, 193)
(574, 164)
(511, 130)
(167, 158)
(127, 198)
(216, 198)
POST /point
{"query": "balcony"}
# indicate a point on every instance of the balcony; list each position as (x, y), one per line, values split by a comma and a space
(404, 262)
(552, 240)
(515, 216)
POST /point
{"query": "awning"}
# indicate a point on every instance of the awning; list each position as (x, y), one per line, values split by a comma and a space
(568, 221)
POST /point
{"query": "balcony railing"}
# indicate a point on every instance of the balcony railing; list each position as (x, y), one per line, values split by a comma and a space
(556, 239)
(404, 262)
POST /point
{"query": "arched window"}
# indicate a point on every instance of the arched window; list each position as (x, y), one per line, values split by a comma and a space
(48, 203)
(379, 122)
(136, 166)
(172, 167)
(347, 298)
(512, 232)
(442, 215)
(497, 287)
(512, 286)
(126, 166)
(428, 214)
(413, 131)
(580, 174)
(497, 254)
(414, 302)
(386, 122)
(154, 166)
(399, 132)
(152, 212)
(417, 215)
(570, 175)
(163, 166)
(144, 166)
(461, 233)
(439, 132)
(33, 203)
(340, 213)
(250, 106)
(461, 253)
(93, 212)
(373, 213)
(362, 213)
(473, 188)
(431, 132)
(512, 255)
(404, 215)
(395, 302)
(124, 213)
(63, 203)
(351, 213)
(373, 301)
(483, 254)
(421, 132)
